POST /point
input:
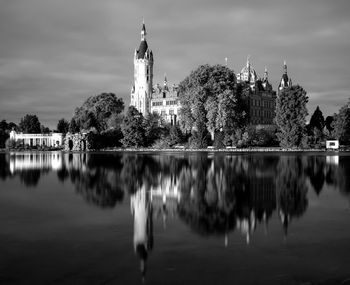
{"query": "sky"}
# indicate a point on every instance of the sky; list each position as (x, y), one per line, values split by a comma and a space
(54, 54)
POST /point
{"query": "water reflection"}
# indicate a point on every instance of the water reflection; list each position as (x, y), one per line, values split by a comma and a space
(212, 194)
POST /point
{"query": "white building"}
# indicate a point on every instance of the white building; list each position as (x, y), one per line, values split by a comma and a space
(147, 98)
(50, 140)
(141, 91)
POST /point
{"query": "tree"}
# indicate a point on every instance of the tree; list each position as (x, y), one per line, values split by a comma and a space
(328, 123)
(98, 111)
(44, 130)
(341, 124)
(315, 128)
(317, 120)
(209, 103)
(73, 126)
(132, 128)
(291, 114)
(62, 126)
(30, 124)
(155, 128)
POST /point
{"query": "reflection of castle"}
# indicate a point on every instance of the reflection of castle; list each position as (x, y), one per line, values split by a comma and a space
(141, 209)
(20, 161)
(165, 197)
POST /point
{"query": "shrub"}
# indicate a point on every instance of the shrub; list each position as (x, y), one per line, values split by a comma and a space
(11, 144)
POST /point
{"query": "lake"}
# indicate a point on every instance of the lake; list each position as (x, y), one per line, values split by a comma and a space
(174, 218)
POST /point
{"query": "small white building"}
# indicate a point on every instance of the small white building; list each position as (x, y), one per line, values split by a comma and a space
(49, 140)
(332, 144)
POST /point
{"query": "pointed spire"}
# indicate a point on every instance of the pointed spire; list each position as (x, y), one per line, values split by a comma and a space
(248, 60)
(266, 74)
(285, 67)
(143, 31)
(165, 79)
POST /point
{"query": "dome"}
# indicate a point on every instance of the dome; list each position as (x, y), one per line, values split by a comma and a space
(248, 73)
(142, 50)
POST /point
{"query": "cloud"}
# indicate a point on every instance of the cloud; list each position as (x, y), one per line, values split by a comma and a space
(54, 54)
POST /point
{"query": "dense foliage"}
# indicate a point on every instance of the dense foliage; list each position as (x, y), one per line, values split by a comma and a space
(315, 129)
(30, 124)
(62, 126)
(291, 115)
(98, 112)
(341, 124)
(132, 128)
(210, 103)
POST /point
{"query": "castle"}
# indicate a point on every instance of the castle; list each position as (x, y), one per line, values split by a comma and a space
(163, 100)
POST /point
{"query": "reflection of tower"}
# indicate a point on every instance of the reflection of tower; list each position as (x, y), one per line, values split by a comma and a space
(141, 208)
(141, 91)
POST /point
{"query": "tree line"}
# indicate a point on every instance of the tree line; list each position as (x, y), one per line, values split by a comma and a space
(214, 111)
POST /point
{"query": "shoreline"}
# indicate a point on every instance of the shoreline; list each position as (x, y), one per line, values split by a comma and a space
(208, 150)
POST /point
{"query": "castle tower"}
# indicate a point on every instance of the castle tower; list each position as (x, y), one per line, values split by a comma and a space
(141, 91)
(285, 80)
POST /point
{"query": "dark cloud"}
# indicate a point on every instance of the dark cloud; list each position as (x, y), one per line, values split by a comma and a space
(54, 54)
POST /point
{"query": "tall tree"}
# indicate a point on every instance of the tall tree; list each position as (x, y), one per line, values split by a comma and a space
(341, 124)
(154, 128)
(3, 133)
(62, 126)
(328, 123)
(73, 126)
(132, 128)
(317, 120)
(209, 102)
(291, 115)
(315, 128)
(30, 124)
(98, 110)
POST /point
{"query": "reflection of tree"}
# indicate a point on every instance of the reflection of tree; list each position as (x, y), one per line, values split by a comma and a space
(96, 179)
(343, 175)
(4, 167)
(291, 189)
(30, 177)
(207, 201)
(314, 169)
(62, 174)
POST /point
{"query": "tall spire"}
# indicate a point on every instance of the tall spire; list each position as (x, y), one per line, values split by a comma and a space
(248, 61)
(285, 67)
(143, 31)
(165, 80)
(266, 74)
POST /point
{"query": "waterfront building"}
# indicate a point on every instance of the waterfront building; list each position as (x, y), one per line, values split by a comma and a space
(145, 97)
(258, 92)
(49, 140)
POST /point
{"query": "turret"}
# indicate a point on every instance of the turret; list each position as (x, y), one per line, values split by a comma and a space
(285, 80)
(143, 75)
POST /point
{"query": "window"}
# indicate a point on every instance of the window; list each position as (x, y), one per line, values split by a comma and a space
(163, 113)
(171, 112)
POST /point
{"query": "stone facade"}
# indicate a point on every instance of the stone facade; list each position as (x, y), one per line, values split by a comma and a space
(165, 102)
(261, 99)
(77, 142)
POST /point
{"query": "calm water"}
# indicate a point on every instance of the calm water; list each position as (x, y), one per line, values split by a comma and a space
(194, 218)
